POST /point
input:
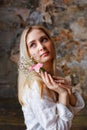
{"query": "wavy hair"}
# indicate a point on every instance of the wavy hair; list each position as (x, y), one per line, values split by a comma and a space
(22, 78)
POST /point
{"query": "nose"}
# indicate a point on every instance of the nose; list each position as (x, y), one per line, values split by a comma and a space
(40, 46)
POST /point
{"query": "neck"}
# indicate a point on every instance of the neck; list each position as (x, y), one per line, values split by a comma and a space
(49, 67)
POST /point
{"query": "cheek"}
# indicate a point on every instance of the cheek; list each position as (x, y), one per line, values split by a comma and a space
(34, 53)
(30, 52)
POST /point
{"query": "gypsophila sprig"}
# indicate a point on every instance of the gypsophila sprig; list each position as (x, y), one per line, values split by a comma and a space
(29, 65)
(25, 64)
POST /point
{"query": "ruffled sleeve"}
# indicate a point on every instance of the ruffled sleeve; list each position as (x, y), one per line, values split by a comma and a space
(79, 104)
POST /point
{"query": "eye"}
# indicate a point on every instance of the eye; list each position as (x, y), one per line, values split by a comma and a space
(32, 45)
(44, 39)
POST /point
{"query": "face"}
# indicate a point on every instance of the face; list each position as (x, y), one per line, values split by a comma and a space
(40, 46)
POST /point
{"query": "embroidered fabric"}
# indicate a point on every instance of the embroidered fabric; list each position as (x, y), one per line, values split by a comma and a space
(46, 113)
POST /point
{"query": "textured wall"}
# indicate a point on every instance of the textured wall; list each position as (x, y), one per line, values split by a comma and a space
(67, 21)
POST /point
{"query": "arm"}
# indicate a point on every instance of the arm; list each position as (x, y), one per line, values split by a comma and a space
(75, 99)
(79, 102)
(72, 97)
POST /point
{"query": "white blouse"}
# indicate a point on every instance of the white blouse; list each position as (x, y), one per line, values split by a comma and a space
(45, 113)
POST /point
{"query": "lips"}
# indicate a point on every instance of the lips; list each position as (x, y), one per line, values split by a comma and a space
(45, 54)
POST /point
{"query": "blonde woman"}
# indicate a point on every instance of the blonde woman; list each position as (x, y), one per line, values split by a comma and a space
(47, 100)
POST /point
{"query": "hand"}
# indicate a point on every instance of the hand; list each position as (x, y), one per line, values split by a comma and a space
(55, 85)
(64, 83)
(52, 83)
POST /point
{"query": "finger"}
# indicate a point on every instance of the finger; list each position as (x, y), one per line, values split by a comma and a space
(63, 81)
(50, 82)
(47, 78)
(57, 77)
(51, 79)
(61, 78)
(59, 81)
(64, 86)
(54, 85)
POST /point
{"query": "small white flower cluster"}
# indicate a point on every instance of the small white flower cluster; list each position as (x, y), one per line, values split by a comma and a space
(25, 64)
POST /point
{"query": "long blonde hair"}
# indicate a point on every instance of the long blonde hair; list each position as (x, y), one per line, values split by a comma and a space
(22, 78)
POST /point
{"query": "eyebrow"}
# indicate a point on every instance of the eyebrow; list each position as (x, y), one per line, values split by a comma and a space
(39, 38)
(31, 41)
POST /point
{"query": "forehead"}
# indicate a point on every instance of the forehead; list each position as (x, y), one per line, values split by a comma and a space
(35, 34)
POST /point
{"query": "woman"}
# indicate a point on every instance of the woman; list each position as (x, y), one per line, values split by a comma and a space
(47, 100)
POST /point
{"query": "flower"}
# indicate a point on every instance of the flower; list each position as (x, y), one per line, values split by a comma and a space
(37, 67)
(28, 65)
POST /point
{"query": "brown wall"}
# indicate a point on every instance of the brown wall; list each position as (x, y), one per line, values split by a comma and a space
(67, 21)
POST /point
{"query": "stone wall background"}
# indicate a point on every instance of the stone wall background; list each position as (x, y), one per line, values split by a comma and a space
(67, 21)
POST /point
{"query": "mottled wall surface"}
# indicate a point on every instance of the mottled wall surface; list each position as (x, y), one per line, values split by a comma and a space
(67, 21)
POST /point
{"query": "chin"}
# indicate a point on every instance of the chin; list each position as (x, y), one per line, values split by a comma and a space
(46, 59)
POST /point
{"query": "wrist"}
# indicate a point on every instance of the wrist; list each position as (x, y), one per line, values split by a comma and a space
(64, 99)
(70, 92)
(72, 99)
